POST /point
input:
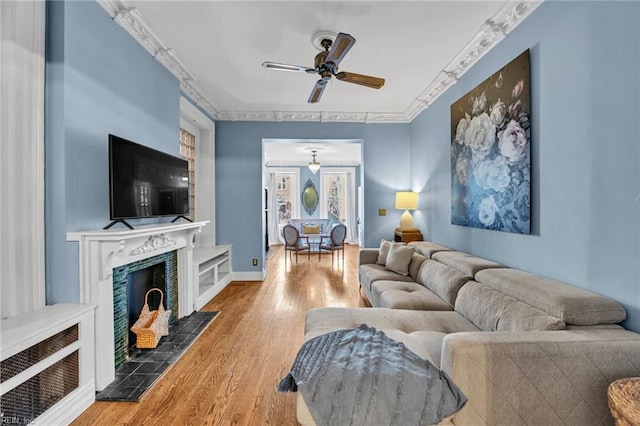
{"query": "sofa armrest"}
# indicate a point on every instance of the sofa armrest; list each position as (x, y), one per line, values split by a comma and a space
(539, 377)
(367, 256)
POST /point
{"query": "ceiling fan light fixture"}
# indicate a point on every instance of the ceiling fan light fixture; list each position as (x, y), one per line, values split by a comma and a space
(314, 166)
(286, 67)
(332, 50)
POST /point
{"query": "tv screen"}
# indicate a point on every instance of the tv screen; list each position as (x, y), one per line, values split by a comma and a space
(144, 182)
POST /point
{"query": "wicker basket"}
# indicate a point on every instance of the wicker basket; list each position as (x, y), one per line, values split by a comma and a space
(151, 325)
(624, 401)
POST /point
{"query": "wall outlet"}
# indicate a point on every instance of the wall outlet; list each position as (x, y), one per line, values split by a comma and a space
(255, 262)
(382, 212)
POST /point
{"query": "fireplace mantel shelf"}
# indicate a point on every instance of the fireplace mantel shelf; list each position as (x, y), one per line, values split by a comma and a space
(140, 231)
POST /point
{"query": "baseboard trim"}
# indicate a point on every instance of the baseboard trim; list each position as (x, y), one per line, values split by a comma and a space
(249, 276)
(69, 408)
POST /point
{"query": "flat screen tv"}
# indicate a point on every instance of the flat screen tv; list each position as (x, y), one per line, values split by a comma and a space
(144, 182)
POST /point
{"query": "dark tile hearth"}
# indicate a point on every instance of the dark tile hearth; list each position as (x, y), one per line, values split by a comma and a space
(136, 376)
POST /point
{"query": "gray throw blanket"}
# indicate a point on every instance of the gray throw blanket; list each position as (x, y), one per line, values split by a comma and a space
(363, 377)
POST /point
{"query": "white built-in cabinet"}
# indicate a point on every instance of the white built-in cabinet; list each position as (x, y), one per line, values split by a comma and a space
(47, 359)
(212, 272)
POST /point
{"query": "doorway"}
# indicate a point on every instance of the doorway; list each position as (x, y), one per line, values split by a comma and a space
(341, 170)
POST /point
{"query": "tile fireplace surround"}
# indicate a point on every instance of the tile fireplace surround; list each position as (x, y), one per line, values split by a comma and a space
(102, 250)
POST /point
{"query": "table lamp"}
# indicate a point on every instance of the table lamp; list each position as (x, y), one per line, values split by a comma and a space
(406, 201)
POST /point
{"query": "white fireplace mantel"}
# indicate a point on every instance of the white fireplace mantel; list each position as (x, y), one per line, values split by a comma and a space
(102, 250)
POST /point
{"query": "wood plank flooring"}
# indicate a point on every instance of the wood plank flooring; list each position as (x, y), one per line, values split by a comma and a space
(229, 375)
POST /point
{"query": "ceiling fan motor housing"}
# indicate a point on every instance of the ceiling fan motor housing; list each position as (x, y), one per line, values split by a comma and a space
(320, 59)
(324, 68)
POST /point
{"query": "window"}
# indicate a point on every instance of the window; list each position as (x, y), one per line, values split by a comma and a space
(338, 198)
(336, 190)
(283, 182)
(188, 152)
(284, 198)
(283, 202)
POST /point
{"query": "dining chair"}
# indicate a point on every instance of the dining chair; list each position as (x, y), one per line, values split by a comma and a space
(294, 243)
(335, 241)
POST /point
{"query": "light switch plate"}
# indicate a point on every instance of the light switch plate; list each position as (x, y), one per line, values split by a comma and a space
(382, 212)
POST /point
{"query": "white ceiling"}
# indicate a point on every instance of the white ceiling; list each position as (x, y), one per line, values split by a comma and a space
(290, 153)
(216, 49)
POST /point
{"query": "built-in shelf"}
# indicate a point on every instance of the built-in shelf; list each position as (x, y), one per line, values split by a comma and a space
(212, 269)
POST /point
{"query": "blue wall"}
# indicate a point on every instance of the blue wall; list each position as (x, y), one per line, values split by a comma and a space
(239, 178)
(99, 80)
(585, 85)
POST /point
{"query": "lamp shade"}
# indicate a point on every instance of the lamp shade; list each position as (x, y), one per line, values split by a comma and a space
(314, 166)
(406, 200)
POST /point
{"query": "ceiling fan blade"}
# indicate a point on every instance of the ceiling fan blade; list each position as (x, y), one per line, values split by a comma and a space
(340, 47)
(286, 67)
(316, 93)
(361, 79)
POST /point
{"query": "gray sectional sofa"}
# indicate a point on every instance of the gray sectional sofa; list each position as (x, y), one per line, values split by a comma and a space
(525, 350)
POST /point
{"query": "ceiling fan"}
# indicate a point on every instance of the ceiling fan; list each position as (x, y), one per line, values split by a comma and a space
(326, 65)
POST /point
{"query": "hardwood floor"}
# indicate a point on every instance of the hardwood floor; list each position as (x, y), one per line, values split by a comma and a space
(229, 375)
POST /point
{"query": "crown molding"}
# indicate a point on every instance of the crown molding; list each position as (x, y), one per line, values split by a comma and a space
(491, 33)
(321, 116)
(129, 18)
(333, 163)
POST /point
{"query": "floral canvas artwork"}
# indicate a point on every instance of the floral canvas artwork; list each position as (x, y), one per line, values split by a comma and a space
(491, 152)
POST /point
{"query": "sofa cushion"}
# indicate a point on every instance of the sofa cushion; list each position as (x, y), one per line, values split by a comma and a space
(464, 262)
(492, 310)
(414, 267)
(442, 280)
(421, 331)
(383, 252)
(574, 305)
(374, 272)
(427, 248)
(370, 273)
(399, 258)
(310, 229)
(406, 295)
(324, 225)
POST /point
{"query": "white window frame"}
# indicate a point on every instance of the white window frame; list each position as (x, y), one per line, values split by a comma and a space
(295, 191)
(198, 124)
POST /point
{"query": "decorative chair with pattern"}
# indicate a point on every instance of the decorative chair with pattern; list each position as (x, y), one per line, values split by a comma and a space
(294, 243)
(335, 241)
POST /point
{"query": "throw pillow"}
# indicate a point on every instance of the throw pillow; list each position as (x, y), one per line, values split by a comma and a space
(399, 258)
(383, 252)
(310, 229)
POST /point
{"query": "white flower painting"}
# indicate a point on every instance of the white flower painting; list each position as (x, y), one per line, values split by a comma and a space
(491, 152)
